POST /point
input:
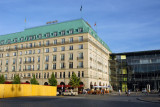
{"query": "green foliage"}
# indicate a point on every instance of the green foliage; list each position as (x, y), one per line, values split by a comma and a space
(2, 79)
(52, 81)
(17, 79)
(34, 81)
(74, 81)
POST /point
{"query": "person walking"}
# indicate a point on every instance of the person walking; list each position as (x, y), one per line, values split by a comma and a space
(119, 92)
(129, 92)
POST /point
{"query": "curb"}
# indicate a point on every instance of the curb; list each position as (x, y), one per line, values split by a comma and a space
(147, 100)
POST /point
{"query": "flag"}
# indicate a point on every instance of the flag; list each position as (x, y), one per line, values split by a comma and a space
(25, 20)
(95, 24)
(81, 8)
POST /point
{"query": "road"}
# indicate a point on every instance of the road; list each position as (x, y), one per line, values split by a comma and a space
(77, 101)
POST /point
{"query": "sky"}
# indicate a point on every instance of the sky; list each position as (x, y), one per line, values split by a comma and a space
(124, 25)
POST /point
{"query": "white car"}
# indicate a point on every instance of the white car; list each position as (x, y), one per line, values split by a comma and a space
(71, 93)
(144, 90)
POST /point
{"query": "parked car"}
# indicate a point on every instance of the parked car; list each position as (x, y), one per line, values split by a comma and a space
(144, 90)
(70, 93)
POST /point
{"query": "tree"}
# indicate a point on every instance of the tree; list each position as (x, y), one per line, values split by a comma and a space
(74, 81)
(52, 81)
(17, 79)
(34, 81)
(2, 79)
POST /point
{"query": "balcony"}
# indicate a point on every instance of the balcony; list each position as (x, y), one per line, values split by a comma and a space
(28, 62)
(28, 69)
(70, 58)
(79, 58)
(63, 67)
(6, 70)
(80, 66)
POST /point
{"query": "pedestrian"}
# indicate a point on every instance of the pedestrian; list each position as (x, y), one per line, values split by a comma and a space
(119, 92)
(129, 92)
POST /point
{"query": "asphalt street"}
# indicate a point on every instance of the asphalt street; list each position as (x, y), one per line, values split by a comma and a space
(77, 101)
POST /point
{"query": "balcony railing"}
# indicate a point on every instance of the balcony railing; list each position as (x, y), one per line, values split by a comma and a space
(28, 69)
(79, 58)
(28, 62)
(80, 66)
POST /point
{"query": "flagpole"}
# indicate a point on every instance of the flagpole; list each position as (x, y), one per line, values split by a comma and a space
(25, 24)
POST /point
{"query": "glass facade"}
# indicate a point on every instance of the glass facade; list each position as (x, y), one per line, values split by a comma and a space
(135, 70)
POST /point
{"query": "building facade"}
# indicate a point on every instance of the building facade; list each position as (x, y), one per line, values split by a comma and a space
(60, 48)
(135, 70)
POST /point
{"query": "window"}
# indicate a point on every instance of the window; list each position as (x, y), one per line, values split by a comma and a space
(38, 67)
(62, 65)
(54, 66)
(70, 64)
(80, 30)
(39, 59)
(14, 61)
(82, 73)
(6, 62)
(55, 74)
(39, 51)
(30, 51)
(64, 75)
(47, 50)
(54, 49)
(80, 38)
(20, 68)
(80, 65)
(46, 66)
(47, 42)
(22, 39)
(47, 34)
(55, 33)
(55, 42)
(25, 52)
(15, 40)
(20, 53)
(9, 41)
(78, 73)
(62, 57)
(81, 46)
(60, 74)
(69, 74)
(21, 45)
(80, 55)
(71, 31)
(47, 58)
(26, 45)
(63, 40)
(6, 69)
(54, 57)
(39, 44)
(30, 38)
(33, 51)
(20, 60)
(71, 40)
(71, 47)
(13, 68)
(71, 56)
(0, 69)
(40, 36)
(29, 59)
(7, 55)
(62, 48)
(15, 47)
(30, 45)
(63, 32)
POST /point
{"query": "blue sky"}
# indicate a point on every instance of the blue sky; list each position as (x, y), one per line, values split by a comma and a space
(125, 25)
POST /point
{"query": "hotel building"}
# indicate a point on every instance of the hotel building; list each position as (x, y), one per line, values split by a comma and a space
(59, 48)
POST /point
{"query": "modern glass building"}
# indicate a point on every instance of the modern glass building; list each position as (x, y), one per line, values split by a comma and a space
(135, 70)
